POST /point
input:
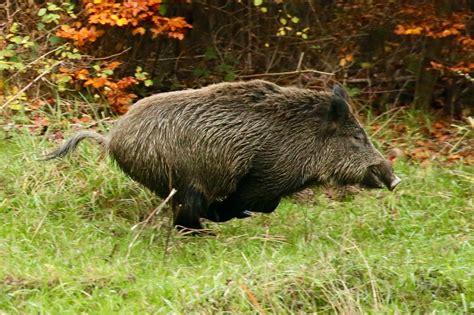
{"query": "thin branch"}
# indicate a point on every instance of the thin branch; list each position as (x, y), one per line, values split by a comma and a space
(391, 79)
(7, 10)
(30, 84)
(249, 36)
(144, 222)
(179, 57)
(112, 56)
(36, 60)
(157, 210)
(273, 74)
(300, 61)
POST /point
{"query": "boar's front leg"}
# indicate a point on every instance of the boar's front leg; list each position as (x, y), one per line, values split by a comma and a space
(266, 206)
(188, 205)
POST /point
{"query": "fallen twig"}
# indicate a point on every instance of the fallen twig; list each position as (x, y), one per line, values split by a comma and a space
(144, 222)
(157, 209)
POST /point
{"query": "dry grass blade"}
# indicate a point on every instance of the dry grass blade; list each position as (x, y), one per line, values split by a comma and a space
(266, 237)
(185, 231)
(387, 121)
(252, 299)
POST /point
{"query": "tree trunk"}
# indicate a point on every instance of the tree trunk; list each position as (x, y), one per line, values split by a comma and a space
(427, 77)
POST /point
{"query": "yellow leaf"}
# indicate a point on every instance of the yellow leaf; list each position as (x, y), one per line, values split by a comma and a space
(295, 19)
(122, 21)
(15, 106)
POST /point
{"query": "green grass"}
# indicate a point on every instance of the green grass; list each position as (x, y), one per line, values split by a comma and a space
(66, 246)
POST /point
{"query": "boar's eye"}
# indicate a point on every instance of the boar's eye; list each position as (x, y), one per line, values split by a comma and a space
(358, 137)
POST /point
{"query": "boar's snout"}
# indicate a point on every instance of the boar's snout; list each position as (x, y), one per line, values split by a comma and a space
(380, 175)
(394, 182)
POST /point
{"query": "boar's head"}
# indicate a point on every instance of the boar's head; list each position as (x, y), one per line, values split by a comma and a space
(350, 156)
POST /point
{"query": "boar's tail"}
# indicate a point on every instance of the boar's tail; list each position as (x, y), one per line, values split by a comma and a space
(71, 144)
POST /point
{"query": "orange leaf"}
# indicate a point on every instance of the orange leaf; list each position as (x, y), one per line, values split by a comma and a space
(138, 30)
(64, 70)
(82, 74)
(454, 157)
(439, 125)
(436, 65)
(96, 82)
(36, 104)
(84, 119)
(40, 121)
(177, 35)
(112, 65)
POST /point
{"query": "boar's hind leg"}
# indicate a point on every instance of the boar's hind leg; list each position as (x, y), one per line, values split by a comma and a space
(236, 206)
(188, 205)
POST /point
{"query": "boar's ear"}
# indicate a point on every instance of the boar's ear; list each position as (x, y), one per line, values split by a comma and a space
(338, 111)
(338, 91)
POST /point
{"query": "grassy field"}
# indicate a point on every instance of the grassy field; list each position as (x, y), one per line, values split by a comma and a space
(66, 246)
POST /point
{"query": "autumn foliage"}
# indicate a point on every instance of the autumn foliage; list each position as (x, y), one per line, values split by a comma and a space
(99, 16)
(424, 21)
(114, 51)
(139, 16)
(114, 90)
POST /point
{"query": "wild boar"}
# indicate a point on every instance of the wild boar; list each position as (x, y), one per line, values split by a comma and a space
(231, 149)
